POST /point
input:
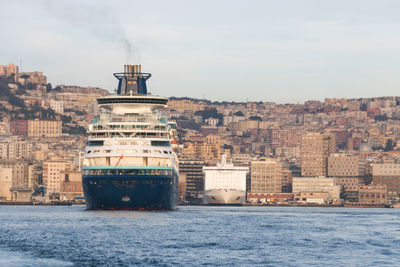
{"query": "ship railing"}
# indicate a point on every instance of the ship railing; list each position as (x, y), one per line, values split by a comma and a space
(137, 134)
(130, 118)
(130, 127)
(149, 120)
(130, 171)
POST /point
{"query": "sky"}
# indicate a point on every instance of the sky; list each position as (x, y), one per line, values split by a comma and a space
(286, 51)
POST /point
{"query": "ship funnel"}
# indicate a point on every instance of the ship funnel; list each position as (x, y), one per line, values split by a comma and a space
(132, 80)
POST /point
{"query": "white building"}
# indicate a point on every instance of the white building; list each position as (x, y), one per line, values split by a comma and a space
(12, 148)
(57, 106)
(212, 121)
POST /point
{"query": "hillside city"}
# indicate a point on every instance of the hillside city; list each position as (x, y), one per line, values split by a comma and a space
(331, 152)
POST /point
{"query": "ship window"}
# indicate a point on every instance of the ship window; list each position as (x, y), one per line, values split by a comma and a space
(95, 143)
(160, 143)
(165, 152)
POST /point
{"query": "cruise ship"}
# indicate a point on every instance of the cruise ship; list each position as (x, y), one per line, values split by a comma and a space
(225, 184)
(129, 162)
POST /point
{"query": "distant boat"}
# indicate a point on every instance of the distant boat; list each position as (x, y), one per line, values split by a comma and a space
(225, 184)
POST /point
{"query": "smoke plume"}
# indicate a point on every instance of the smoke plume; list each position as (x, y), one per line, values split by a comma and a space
(98, 20)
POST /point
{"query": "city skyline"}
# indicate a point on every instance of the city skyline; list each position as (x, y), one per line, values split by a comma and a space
(228, 132)
(311, 50)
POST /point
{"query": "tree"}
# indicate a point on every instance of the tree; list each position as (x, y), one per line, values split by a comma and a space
(24, 76)
(238, 113)
(381, 117)
(255, 118)
(15, 101)
(48, 88)
(228, 147)
(209, 113)
(389, 145)
(11, 78)
(363, 107)
(66, 119)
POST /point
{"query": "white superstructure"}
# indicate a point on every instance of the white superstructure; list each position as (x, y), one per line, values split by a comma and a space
(129, 162)
(129, 134)
(225, 183)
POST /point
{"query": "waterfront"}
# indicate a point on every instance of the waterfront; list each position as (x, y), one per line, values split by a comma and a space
(257, 236)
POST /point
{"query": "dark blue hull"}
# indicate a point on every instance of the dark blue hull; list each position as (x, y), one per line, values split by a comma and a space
(134, 192)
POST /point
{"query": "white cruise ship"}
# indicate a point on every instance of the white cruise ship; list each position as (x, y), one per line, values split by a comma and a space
(129, 162)
(225, 184)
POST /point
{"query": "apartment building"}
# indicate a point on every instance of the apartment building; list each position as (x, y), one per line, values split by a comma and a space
(52, 175)
(315, 150)
(388, 174)
(270, 176)
(42, 128)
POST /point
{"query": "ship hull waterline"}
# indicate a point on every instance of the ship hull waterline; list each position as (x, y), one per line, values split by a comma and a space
(130, 192)
(224, 197)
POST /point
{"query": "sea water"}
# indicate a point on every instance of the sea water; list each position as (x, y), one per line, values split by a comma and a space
(191, 236)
